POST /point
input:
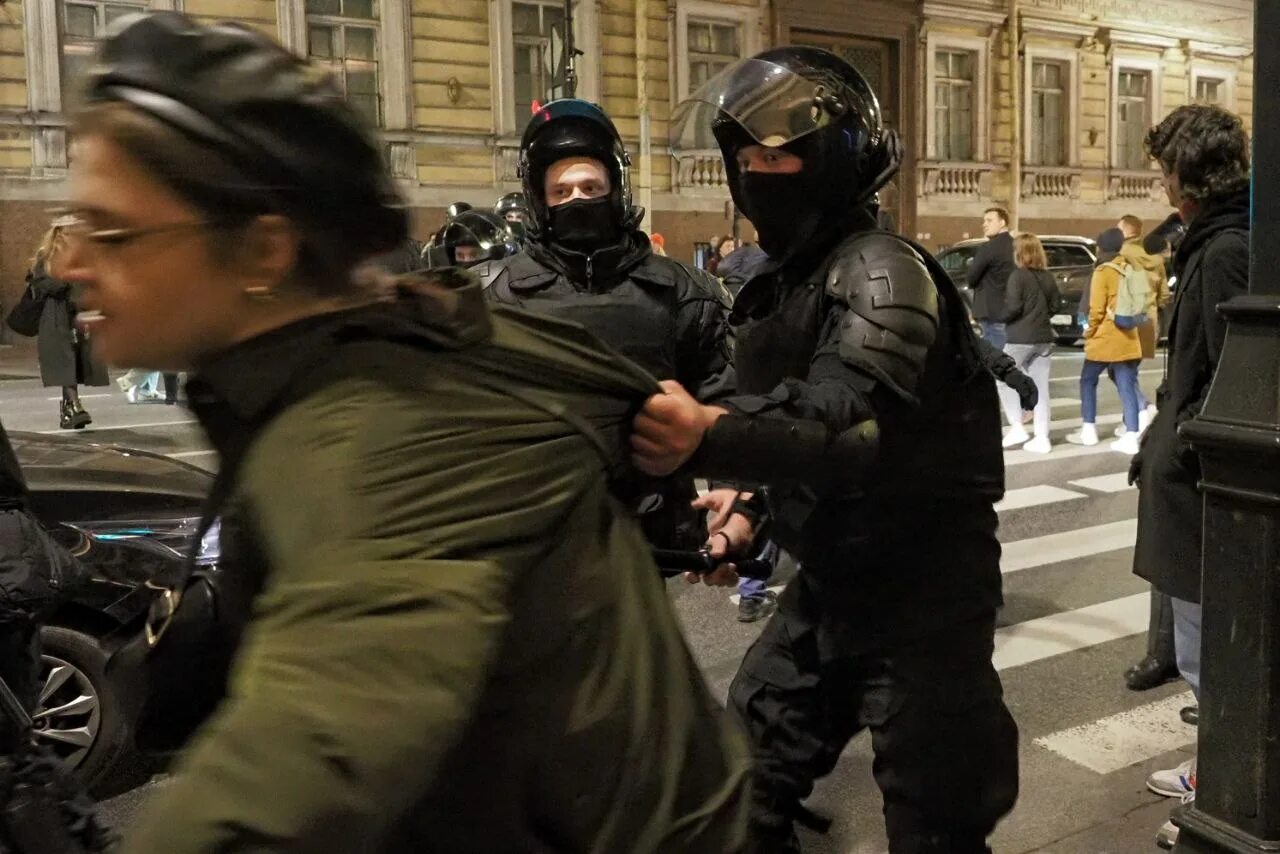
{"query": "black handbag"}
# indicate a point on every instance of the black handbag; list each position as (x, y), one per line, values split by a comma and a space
(24, 318)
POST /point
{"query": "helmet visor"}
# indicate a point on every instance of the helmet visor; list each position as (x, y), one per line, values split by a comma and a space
(473, 238)
(772, 103)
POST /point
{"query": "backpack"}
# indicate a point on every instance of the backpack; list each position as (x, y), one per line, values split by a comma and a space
(1133, 299)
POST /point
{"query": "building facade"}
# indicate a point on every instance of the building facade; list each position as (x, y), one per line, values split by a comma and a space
(450, 85)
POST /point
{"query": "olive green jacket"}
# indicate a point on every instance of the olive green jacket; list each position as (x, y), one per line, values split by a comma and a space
(461, 643)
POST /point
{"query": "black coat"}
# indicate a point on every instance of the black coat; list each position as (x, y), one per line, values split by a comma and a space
(1028, 308)
(13, 486)
(989, 273)
(1212, 265)
(741, 266)
(66, 356)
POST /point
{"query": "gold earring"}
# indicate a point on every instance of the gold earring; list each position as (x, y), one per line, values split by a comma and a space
(260, 294)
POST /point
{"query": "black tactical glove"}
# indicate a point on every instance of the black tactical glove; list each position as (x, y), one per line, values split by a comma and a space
(1135, 470)
(1028, 394)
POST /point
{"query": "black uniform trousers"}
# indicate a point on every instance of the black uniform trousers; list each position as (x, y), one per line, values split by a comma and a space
(946, 747)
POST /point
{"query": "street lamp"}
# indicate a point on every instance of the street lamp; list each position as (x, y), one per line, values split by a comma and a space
(1237, 435)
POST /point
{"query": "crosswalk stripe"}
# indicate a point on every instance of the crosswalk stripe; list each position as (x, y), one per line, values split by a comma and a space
(1068, 631)
(1035, 496)
(1060, 452)
(1118, 741)
(1064, 401)
(1069, 545)
(105, 427)
(1118, 482)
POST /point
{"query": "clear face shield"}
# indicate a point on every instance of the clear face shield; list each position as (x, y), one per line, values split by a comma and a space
(470, 240)
(772, 103)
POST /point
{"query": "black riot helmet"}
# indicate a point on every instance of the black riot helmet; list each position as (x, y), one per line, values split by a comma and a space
(573, 128)
(512, 205)
(808, 102)
(472, 237)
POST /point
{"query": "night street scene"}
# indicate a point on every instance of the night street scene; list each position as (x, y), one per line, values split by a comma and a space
(711, 426)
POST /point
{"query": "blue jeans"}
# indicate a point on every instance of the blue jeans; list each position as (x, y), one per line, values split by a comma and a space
(1125, 375)
(994, 333)
(1186, 641)
(754, 588)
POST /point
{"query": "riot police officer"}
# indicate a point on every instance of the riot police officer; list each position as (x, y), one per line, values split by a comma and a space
(514, 210)
(473, 239)
(586, 260)
(864, 408)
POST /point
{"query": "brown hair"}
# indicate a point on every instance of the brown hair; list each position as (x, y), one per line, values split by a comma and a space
(1206, 147)
(1000, 212)
(1132, 223)
(223, 192)
(1028, 252)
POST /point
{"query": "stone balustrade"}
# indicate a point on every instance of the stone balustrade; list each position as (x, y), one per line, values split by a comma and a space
(956, 180)
(1139, 186)
(700, 171)
(1051, 182)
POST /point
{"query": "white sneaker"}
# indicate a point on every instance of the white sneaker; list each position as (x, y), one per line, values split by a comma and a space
(1038, 445)
(1120, 431)
(1167, 835)
(1145, 417)
(1176, 782)
(1086, 435)
(1127, 444)
(131, 394)
(1016, 436)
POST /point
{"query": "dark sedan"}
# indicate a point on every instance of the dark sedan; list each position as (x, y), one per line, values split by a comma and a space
(1071, 261)
(127, 515)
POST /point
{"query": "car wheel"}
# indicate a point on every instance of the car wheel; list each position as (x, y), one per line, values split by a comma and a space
(79, 715)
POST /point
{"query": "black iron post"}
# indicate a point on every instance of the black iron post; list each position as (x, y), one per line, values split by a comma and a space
(1237, 805)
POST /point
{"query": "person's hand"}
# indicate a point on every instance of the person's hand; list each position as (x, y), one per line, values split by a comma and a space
(1028, 394)
(719, 504)
(733, 538)
(1135, 470)
(669, 429)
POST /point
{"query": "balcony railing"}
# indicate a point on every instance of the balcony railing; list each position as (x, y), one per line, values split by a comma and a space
(1051, 182)
(956, 180)
(700, 172)
(1138, 185)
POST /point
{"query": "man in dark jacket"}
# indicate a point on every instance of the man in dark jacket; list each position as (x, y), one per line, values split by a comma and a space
(865, 411)
(587, 261)
(989, 273)
(1204, 154)
(741, 266)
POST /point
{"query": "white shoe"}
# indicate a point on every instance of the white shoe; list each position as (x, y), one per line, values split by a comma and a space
(1120, 431)
(1038, 445)
(1145, 417)
(1086, 435)
(1167, 836)
(1128, 444)
(1016, 436)
(1176, 782)
(131, 394)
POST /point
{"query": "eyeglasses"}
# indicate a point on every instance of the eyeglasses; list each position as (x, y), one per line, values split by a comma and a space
(73, 225)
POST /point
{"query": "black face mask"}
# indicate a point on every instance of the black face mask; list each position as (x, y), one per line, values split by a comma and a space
(785, 209)
(586, 225)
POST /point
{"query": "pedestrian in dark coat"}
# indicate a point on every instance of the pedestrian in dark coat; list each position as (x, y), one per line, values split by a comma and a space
(1212, 266)
(66, 356)
(989, 274)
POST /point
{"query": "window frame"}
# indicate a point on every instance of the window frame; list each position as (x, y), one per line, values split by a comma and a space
(69, 45)
(502, 70)
(1152, 66)
(1206, 71)
(746, 18)
(981, 48)
(394, 47)
(1070, 59)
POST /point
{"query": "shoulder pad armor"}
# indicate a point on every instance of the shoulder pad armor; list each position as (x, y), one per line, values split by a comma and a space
(892, 318)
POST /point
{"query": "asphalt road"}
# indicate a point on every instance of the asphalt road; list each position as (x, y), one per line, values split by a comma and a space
(1074, 618)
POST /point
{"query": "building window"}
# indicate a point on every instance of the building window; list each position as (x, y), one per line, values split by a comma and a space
(953, 104)
(713, 47)
(81, 24)
(1211, 90)
(343, 36)
(1133, 117)
(537, 32)
(1048, 114)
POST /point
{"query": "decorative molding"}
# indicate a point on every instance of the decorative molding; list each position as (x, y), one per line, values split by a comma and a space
(1128, 38)
(291, 18)
(1220, 51)
(1214, 72)
(395, 67)
(1033, 25)
(964, 14)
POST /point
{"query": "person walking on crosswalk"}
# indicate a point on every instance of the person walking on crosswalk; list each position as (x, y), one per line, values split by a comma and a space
(1031, 299)
(1203, 152)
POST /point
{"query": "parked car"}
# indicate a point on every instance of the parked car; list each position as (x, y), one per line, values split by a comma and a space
(127, 515)
(1071, 260)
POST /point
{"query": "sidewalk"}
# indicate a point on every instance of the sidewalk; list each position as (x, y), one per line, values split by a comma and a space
(19, 361)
